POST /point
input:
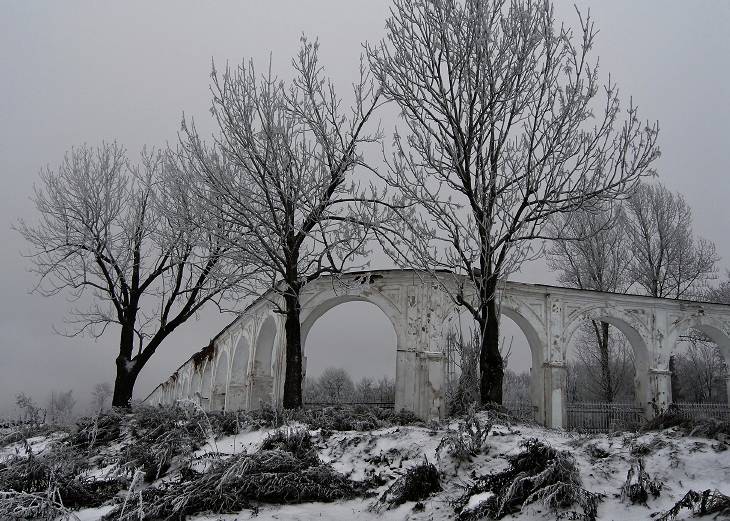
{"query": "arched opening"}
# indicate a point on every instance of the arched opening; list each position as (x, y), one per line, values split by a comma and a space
(261, 385)
(236, 399)
(206, 384)
(195, 385)
(350, 349)
(522, 358)
(699, 371)
(521, 349)
(218, 399)
(265, 348)
(607, 380)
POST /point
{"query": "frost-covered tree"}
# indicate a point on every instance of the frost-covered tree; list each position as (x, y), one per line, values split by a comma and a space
(101, 393)
(60, 406)
(700, 373)
(507, 125)
(593, 252)
(336, 385)
(667, 260)
(279, 170)
(110, 235)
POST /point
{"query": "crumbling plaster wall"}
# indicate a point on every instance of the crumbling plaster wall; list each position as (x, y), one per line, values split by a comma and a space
(421, 313)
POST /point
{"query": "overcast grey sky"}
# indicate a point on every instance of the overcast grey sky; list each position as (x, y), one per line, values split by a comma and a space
(74, 72)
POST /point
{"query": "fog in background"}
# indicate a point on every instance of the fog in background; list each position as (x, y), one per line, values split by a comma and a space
(74, 72)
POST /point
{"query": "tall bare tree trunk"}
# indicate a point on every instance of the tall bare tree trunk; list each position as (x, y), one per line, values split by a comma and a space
(602, 337)
(127, 371)
(490, 360)
(293, 376)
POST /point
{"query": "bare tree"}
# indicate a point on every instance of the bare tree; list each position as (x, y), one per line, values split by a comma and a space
(604, 372)
(667, 259)
(336, 385)
(109, 235)
(594, 253)
(60, 407)
(29, 412)
(505, 130)
(101, 393)
(278, 171)
(700, 372)
(720, 293)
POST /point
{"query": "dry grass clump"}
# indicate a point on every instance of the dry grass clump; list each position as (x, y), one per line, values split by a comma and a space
(22, 506)
(285, 470)
(538, 473)
(224, 423)
(22, 432)
(100, 430)
(468, 440)
(416, 484)
(56, 475)
(639, 485)
(353, 417)
(700, 504)
(159, 435)
(701, 427)
(298, 442)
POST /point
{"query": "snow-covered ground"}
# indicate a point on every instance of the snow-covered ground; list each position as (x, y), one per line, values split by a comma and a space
(681, 463)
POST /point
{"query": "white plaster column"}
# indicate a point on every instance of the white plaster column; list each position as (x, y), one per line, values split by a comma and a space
(660, 391)
(555, 386)
(555, 380)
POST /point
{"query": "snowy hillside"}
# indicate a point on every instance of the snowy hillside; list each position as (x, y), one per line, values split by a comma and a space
(364, 474)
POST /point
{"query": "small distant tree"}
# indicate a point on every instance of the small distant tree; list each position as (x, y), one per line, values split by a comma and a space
(100, 395)
(336, 385)
(112, 234)
(311, 391)
(29, 412)
(385, 390)
(60, 407)
(365, 390)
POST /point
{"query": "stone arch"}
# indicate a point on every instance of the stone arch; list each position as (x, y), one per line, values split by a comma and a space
(261, 380)
(195, 381)
(635, 331)
(533, 329)
(325, 301)
(531, 325)
(206, 384)
(236, 398)
(220, 383)
(717, 330)
(632, 328)
(180, 387)
(264, 347)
